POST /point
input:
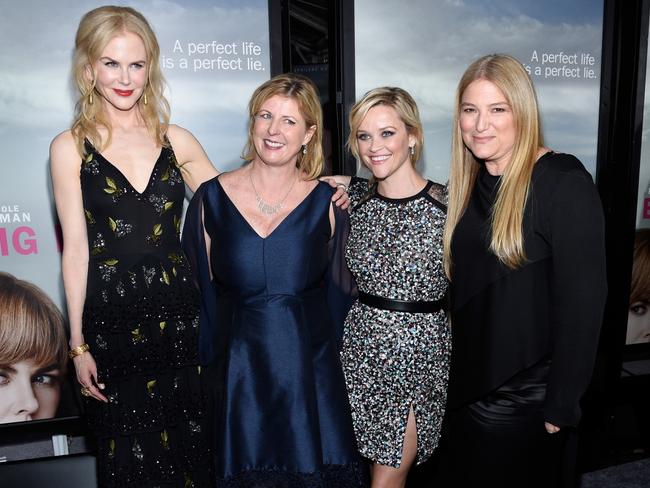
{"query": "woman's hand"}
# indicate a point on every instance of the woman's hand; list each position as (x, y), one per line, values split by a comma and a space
(550, 428)
(86, 369)
(341, 197)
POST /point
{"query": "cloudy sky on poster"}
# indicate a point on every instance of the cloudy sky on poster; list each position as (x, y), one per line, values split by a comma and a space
(425, 46)
(37, 100)
(36, 95)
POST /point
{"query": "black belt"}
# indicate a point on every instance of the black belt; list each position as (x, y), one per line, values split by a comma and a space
(403, 305)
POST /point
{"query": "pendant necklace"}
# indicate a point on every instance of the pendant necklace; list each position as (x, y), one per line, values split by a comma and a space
(264, 207)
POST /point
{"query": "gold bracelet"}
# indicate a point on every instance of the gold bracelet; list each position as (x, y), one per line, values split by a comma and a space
(78, 351)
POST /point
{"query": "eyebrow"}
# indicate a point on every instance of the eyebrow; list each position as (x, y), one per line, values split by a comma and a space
(46, 369)
(504, 102)
(380, 129)
(142, 61)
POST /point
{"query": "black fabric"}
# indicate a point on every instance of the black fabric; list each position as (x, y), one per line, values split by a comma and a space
(500, 440)
(402, 305)
(140, 319)
(506, 320)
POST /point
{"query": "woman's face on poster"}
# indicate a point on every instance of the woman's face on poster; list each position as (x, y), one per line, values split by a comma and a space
(28, 391)
(638, 323)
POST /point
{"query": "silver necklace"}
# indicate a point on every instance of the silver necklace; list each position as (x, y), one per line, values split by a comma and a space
(267, 208)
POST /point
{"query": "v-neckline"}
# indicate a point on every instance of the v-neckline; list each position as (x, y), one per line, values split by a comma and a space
(151, 175)
(248, 224)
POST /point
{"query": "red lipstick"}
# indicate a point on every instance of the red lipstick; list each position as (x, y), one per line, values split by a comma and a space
(123, 93)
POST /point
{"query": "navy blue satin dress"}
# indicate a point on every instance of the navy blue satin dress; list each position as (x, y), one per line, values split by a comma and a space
(271, 323)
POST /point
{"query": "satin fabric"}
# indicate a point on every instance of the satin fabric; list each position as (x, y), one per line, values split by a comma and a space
(271, 323)
(501, 440)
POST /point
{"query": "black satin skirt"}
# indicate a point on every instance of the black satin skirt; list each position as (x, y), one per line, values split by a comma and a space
(500, 440)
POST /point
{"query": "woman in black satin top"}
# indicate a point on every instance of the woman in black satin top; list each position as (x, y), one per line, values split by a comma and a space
(525, 255)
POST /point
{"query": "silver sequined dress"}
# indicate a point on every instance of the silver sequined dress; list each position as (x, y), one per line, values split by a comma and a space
(396, 360)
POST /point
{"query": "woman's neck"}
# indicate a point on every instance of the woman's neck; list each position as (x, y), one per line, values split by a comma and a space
(273, 177)
(401, 184)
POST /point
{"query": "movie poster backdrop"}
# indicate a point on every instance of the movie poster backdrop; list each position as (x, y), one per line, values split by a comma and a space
(213, 54)
(424, 47)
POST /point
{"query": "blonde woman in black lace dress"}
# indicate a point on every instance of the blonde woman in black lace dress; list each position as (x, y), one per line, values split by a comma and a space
(133, 311)
(396, 343)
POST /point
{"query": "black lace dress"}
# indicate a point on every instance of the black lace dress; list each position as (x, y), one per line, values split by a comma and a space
(141, 321)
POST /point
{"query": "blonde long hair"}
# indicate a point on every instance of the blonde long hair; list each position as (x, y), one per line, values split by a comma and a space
(403, 103)
(304, 92)
(507, 240)
(95, 31)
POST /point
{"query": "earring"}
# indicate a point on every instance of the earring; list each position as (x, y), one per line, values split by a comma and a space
(90, 98)
(304, 149)
(145, 98)
(412, 150)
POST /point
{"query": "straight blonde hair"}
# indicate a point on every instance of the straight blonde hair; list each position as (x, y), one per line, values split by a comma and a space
(507, 240)
(96, 29)
(304, 92)
(31, 326)
(405, 106)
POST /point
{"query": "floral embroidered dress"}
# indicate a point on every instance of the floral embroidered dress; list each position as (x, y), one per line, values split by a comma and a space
(140, 319)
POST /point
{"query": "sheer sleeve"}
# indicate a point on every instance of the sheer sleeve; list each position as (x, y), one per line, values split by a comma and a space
(194, 246)
(341, 288)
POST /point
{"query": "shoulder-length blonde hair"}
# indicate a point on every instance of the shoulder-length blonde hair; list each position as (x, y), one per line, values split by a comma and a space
(507, 241)
(304, 92)
(95, 31)
(404, 105)
(31, 326)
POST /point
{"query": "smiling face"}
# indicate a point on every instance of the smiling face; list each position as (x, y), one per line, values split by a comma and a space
(28, 391)
(279, 131)
(384, 142)
(487, 124)
(121, 71)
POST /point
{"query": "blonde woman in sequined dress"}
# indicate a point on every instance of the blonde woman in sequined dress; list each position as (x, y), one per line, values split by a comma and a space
(396, 343)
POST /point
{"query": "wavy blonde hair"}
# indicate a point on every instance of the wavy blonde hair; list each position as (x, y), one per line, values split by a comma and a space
(507, 240)
(31, 326)
(405, 106)
(95, 31)
(305, 93)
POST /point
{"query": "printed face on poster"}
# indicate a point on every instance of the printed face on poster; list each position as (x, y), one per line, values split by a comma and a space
(213, 54)
(638, 322)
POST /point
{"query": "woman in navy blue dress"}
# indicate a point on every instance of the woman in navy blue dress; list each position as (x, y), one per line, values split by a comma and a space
(266, 245)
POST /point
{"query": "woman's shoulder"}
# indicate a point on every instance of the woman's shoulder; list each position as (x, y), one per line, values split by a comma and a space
(63, 150)
(439, 191)
(358, 189)
(557, 163)
(62, 140)
(556, 170)
(560, 177)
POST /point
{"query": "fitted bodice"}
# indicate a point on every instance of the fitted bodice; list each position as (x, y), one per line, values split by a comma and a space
(125, 227)
(395, 245)
(290, 261)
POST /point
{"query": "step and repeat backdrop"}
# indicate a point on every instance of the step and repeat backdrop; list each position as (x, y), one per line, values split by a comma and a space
(213, 53)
